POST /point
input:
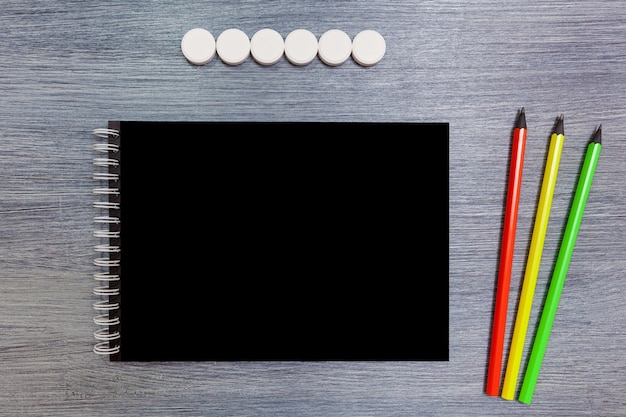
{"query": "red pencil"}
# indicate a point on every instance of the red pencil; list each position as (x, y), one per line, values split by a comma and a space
(506, 255)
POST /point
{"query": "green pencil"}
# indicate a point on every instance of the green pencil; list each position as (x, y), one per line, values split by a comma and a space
(562, 265)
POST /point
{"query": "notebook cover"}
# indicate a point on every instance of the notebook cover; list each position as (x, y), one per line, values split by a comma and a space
(253, 241)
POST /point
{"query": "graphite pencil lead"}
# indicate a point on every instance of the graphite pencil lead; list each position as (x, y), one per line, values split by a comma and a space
(559, 126)
(521, 119)
(597, 136)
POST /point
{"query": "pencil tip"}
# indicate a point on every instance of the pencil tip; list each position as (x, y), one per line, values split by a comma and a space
(521, 119)
(597, 135)
(559, 126)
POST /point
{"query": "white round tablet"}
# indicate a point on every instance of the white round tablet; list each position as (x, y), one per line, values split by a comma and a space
(267, 46)
(198, 46)
(335, 47)
(233, 46)
(368, 47)
(301, 47)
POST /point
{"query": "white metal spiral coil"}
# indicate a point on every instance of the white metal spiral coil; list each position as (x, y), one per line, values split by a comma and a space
(108, 249)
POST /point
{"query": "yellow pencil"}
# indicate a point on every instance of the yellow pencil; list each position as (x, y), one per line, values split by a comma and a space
(534, 260)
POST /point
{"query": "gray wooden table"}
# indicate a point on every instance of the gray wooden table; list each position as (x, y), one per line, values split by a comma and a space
(68, 67)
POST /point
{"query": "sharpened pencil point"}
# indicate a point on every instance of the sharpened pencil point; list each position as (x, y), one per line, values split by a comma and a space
(597, 136)
(559, 126)
(521, 119)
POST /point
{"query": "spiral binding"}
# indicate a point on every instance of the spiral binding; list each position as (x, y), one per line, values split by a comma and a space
(106, 172)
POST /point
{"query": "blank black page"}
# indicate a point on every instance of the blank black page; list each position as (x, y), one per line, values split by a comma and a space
(283, 241)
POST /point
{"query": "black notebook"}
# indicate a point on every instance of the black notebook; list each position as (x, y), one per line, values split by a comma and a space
(254, 241)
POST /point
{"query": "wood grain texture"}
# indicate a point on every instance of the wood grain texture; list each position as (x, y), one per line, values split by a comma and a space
(68, 67)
